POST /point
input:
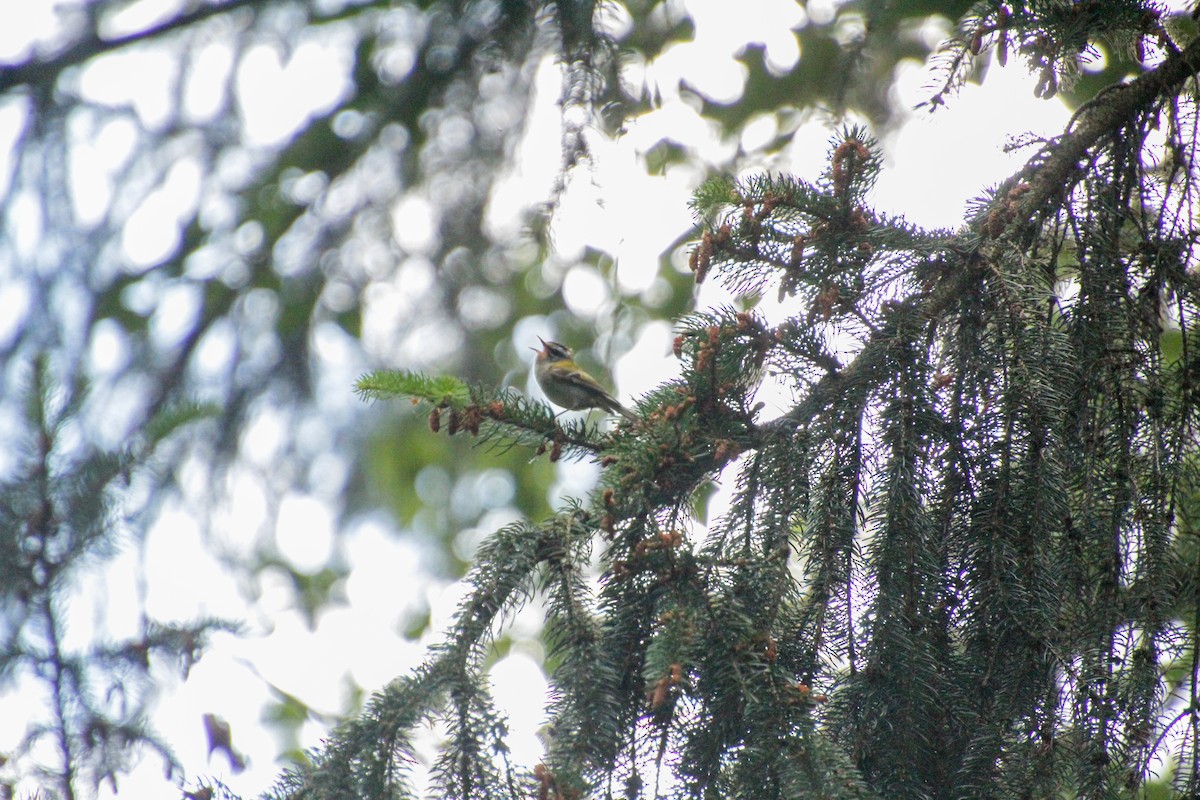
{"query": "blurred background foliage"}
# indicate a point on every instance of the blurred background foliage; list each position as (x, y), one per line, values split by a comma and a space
(171, 234)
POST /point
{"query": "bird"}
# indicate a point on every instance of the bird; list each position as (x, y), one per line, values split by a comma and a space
(568, 385)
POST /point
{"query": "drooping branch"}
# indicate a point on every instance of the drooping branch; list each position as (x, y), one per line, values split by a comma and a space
(1045, 178)
(1057, 167)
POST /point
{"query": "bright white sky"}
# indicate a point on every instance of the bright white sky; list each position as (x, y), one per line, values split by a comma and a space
(933, 166)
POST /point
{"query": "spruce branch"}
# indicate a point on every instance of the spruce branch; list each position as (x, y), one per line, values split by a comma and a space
(1052, 173)
(940, 534)
(1015, 214)
(501, 417)
(1054, 39)
(60, 515)
(368, 756)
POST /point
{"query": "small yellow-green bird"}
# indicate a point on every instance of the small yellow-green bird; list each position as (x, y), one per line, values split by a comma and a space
(567, 385)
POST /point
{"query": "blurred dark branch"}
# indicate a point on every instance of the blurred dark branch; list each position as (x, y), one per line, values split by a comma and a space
(45, 72)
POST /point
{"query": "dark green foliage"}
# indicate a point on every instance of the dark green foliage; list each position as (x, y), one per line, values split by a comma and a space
(951, 569)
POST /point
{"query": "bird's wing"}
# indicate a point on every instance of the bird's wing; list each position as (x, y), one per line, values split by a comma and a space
(581, 379)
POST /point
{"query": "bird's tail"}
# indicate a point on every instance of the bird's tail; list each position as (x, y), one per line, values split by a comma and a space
(623, 411)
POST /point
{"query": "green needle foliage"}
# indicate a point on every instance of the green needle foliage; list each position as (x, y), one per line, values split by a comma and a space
(963, 563)
(960, 565)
